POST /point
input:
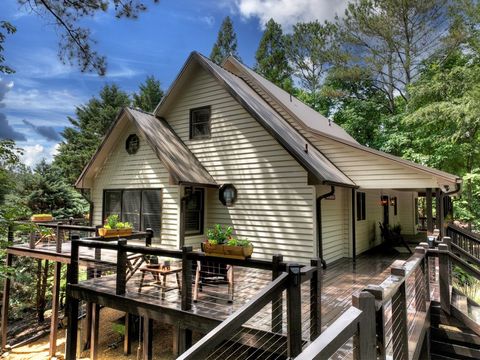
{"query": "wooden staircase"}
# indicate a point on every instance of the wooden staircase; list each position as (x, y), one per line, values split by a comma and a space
(451, 338)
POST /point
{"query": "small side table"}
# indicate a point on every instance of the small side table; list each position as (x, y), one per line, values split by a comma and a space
(156, 273)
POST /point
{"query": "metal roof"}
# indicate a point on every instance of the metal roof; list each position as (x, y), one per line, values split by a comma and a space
(181, 163)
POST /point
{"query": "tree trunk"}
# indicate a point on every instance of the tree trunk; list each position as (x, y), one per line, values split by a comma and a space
(42, 277)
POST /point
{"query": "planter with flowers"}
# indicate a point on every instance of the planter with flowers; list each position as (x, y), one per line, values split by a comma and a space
(221, 243)
(115, 228)
(41, 217)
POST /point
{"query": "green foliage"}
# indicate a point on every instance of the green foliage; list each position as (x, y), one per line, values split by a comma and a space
(113, 222)
(45, 191)
(90, 125)
(239, 242)
(9, 158)
(271, 58)
(226, 43)
(219, 234)
(5, 29)
(310, 50)
(149, 95)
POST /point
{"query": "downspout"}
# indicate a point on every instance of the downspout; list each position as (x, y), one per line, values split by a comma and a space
(354, 230)
(90, 202)
(319, 224)
(442, 196)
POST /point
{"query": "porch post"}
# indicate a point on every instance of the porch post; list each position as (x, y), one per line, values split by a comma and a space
(441, 214)
(428, 200)
(437, 208)
(5, 303)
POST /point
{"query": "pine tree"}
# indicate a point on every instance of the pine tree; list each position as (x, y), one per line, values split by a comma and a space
(226, 43)
(90, 125)
(271, 59)
(149, 95)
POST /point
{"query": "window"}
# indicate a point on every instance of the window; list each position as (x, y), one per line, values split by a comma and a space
(361, 214)
(200, 123)
(141, 208)
(194, 208)
(132, 144)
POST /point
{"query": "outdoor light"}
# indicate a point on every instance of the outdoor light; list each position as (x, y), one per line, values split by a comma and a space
(393, 201)
(227, 194)
(384, 200)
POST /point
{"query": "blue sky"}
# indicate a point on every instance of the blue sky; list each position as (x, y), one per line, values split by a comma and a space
(36, 101)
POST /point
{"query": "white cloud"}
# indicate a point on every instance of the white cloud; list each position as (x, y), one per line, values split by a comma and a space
(289, 12)
(60, 101)
(33, 154)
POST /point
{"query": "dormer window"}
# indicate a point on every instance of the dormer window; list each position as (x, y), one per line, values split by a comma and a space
(200, 123)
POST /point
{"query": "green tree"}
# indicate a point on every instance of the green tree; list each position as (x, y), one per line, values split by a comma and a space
(9, 158)
(226, 43)
(149, 95)
(88, 127)
(309, 50)
(47, 192)
(5, 29)
(390, 39)
(443, 123)
(271, 58)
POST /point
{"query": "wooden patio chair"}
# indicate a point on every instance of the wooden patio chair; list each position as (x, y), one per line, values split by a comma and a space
(392, 238)
(210, 273)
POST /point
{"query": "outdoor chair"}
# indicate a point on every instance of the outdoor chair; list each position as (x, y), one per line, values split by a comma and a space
(210, 273)
(393, 238)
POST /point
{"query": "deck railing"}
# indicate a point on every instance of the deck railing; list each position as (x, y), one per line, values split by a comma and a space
(464, 242)
(387, 320)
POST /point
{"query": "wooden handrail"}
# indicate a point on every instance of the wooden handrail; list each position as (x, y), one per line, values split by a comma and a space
(465, 253)
(237, 319)
(464, 232)
(334, 336)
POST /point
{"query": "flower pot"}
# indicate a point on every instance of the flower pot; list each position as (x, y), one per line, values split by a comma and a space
(232, 252)
(215, 249)
(114, 232)
(41, 217)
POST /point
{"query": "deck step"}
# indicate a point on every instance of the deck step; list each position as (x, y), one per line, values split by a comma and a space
(450, 349)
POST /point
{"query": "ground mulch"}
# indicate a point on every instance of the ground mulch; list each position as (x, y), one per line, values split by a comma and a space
(110, 342)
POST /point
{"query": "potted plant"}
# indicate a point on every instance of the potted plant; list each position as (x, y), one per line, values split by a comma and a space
(152, 261)
(41, 217)
(113, 227)
(220, 242)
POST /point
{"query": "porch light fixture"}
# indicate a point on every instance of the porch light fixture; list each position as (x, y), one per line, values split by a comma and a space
(227, 194)
(393, 201)
(384, 200)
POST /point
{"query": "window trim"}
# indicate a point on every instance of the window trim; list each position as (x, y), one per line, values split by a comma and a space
(361, 208)
(192, 111)
(201, 230)
(141, 204)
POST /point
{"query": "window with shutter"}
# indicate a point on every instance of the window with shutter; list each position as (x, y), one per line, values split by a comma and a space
(200, 123)
(194, 209)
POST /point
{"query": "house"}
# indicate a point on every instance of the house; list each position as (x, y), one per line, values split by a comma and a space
(227, 146)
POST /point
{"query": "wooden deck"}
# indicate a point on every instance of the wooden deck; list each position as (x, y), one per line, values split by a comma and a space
(340, 281)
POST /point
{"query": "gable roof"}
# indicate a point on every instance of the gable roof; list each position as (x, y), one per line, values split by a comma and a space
(317, 124)
(307, 117)
(183, 166)
(317, 165)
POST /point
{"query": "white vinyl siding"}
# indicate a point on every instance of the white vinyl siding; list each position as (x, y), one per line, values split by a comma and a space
(141, 170)
(275, 206)
(335, 223)
(368, 231)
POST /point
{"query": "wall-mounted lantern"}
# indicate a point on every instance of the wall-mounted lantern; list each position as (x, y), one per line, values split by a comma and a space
(393, 201)
(384, 200)
(227, 194)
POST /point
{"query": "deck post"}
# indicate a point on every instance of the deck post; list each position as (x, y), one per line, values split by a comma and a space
(182, 339)
(316, 300)
(277, 303)
(6, 302)
(428, 200)
(127, 341)
(186, 279)
(58, 242)
(421, 301)
(121, 284)
(149, 237)
(377, 292)
(444, 277)
(147, 338)
(72, 304)
(294, 312)
(95, 331)
(399, 322)
(98, 252)
(437, 208)
(55, 305)
(365, 341)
